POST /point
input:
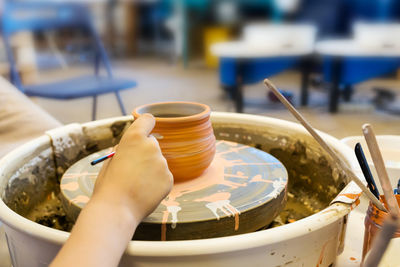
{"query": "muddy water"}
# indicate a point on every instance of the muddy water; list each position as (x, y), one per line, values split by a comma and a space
(50, 213)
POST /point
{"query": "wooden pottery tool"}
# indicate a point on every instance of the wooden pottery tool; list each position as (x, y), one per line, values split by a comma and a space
(381, 170)
(324, 145)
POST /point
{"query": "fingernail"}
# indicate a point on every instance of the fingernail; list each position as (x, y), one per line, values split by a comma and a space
(157, 136)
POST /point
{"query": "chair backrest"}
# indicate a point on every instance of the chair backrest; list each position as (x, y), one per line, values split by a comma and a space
(34, 16)
(31, 16)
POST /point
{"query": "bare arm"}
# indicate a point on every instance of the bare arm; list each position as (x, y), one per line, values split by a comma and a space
(129, 187)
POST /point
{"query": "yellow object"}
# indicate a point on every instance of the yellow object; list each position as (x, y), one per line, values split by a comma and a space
(213, 35)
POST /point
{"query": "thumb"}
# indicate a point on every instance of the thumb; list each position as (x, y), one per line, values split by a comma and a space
(143, 125)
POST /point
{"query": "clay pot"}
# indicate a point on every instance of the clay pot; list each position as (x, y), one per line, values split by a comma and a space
(373, 222)
(185, 135)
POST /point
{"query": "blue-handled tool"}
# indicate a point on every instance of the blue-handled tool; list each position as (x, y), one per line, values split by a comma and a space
(103, 158)
(365, 169)
(397, 190)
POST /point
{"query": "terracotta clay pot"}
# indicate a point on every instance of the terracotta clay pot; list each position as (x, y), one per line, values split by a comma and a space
(185, 135)
(373, 222)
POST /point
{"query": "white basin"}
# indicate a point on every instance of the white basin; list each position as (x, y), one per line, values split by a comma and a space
(313, 241)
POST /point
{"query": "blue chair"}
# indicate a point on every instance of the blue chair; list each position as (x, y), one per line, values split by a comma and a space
(34, 16)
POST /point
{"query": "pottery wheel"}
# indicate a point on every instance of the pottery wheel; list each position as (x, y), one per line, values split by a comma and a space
(242, 190)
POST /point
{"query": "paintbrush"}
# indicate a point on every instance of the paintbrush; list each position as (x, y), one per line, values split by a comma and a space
(324, 145)
(365, 169)
(103, 158)
(110, 155)
(381, 170)
(397, 190)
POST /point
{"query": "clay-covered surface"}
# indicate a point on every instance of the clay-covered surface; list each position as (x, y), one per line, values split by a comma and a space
(32, 188)
(313, 182)
(243, 190)
(74, 141)
(31, 182)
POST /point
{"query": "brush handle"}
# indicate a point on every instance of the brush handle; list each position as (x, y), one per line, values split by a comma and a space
(365, 169)
(324, 145)
(398, 187)
(103, 158)
(381, 170)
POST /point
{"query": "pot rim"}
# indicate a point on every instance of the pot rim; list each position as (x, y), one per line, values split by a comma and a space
(198, 116)
(319, 220)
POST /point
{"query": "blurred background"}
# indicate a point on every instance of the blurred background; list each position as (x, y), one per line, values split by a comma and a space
(335, 60)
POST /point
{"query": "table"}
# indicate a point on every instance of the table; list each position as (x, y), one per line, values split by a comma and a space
(242, 63)
(347, 62)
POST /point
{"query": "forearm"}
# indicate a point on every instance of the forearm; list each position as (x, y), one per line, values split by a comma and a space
(128, 188)
(99, 236)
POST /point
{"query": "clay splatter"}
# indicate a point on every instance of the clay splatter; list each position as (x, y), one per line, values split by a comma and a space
(174, 212)
(215, 175)
(80, 199)
(71, 186)
(321, 255)
(220, 201)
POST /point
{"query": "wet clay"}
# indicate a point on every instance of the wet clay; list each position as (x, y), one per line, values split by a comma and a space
(185, 136)
(50, 213)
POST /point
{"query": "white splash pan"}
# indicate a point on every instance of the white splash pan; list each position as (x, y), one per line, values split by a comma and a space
(313, 241)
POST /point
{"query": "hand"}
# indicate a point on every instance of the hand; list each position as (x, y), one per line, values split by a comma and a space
(128, 188)
(138, 174)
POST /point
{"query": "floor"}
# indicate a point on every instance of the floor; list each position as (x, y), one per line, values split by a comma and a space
(160, 81)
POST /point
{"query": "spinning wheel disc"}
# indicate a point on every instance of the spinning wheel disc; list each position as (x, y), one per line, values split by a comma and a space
(242, 190)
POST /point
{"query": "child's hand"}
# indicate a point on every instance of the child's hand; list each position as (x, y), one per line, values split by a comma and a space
(138, 175)
(128, 188)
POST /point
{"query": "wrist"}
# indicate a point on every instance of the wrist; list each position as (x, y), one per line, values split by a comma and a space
(114, 205)
(100, 235)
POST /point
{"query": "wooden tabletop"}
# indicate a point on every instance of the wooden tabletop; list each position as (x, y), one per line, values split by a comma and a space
(352, 48)
(244, 49)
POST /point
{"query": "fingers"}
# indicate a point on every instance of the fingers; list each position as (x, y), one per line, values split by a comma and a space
(144, 124)
(154, 140)
(103, 172)
(139, 129)
(107, 161)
